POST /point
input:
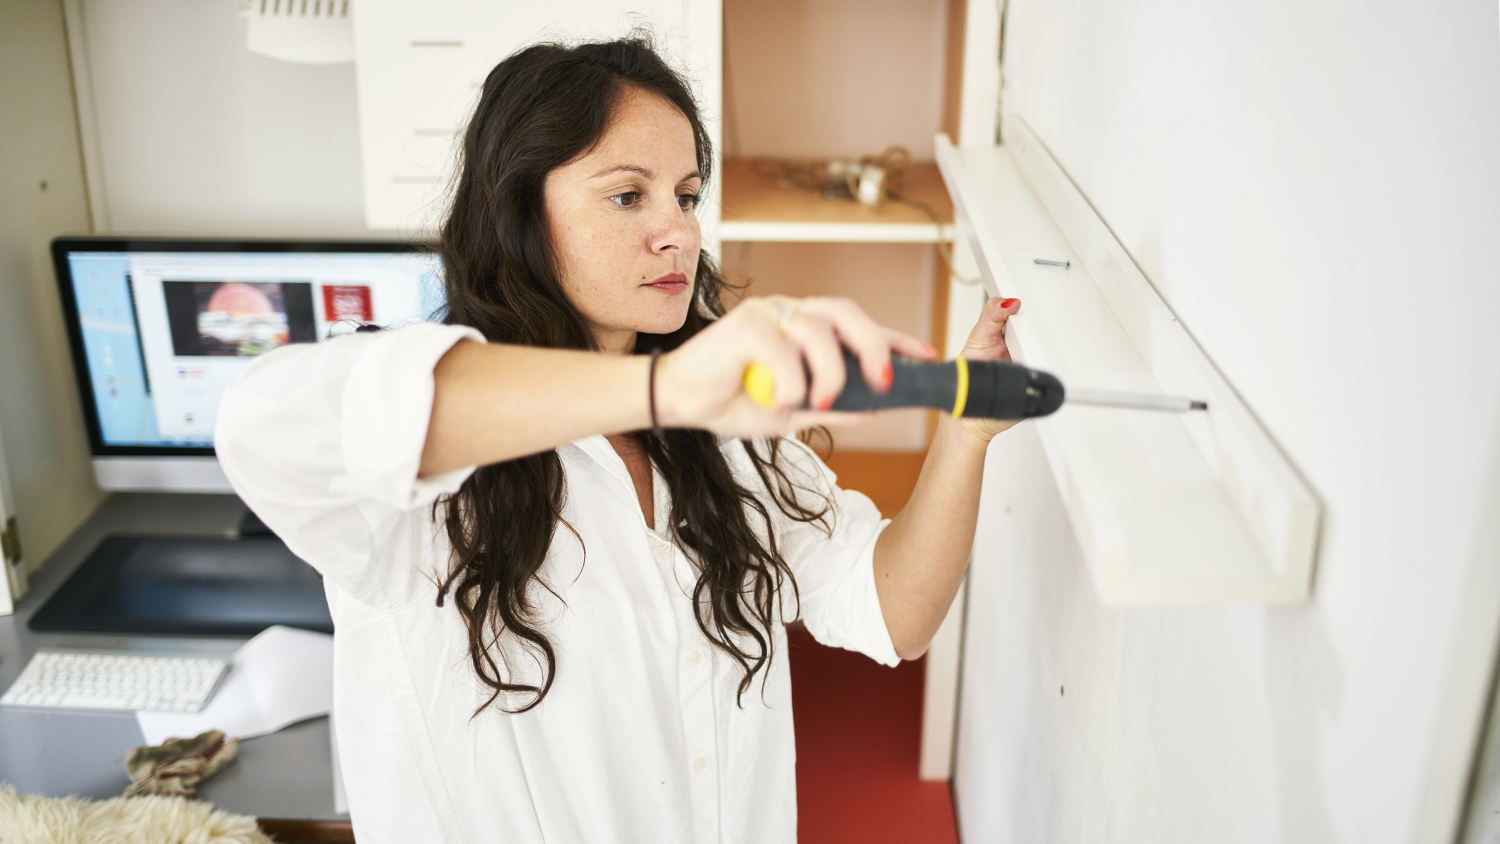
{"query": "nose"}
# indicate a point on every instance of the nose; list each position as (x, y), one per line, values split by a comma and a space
(673, 229)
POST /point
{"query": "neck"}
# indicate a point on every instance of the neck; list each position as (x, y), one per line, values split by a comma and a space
(615, 342)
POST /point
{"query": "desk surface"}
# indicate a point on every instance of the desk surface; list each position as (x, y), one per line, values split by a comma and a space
(286, 775)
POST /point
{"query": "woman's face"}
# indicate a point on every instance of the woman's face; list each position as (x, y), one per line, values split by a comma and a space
(623, 223)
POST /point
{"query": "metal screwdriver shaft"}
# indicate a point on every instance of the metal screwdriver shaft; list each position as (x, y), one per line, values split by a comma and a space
(1134, 401)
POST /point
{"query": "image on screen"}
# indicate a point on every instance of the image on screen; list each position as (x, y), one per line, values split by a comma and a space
(164, 332)
(237, 318)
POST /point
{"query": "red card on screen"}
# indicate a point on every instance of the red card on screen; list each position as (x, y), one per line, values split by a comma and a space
(347, 301)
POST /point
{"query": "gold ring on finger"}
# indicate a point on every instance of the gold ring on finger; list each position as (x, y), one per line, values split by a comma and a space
(784, 319)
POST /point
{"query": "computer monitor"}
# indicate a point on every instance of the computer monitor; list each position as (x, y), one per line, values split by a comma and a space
(159, 327)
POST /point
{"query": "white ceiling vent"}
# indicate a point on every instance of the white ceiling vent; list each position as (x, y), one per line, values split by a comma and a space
(300, 31)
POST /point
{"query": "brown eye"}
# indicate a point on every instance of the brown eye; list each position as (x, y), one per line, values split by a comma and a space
(687, 201)
(626, 199)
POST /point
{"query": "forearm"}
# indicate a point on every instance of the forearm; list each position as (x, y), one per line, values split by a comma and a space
(921, 556)
(494, 402)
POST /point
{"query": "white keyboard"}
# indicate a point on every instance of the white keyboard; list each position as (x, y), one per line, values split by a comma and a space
(117, 681)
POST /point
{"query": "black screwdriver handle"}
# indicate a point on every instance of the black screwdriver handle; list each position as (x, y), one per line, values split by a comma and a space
(982, 389)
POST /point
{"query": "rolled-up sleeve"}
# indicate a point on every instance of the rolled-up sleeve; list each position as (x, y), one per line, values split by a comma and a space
(835, 573)
(324, 442)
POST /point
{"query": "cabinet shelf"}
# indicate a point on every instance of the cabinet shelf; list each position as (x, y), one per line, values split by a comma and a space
(1168, 509)
(754, 209)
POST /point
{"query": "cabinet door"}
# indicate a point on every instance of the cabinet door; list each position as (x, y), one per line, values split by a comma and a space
(420, 67)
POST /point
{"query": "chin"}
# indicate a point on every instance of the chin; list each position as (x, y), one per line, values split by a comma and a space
(664, 323)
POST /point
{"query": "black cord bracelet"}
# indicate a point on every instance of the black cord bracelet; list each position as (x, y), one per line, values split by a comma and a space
(651, 390)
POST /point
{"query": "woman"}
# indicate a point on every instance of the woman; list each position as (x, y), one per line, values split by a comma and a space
(582, 640)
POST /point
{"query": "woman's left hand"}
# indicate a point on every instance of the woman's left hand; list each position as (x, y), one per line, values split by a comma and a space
(987, 342)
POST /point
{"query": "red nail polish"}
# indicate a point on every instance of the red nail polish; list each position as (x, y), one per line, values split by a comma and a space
(825, 403)
(888, 375)
(1005, 303)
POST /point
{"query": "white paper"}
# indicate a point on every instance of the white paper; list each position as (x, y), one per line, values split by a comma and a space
(280, 677)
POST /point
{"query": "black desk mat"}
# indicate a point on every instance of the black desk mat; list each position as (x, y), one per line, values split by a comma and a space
(187, 585)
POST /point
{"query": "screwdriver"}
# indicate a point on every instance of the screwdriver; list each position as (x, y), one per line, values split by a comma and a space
(983, 389)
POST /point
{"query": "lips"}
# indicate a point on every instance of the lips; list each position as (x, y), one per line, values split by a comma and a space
(669, 283)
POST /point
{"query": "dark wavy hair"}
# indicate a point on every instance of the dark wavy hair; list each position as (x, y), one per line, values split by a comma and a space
(540, 109)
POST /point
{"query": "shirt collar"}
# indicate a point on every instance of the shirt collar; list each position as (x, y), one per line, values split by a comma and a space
(604, 454)
(598, 448)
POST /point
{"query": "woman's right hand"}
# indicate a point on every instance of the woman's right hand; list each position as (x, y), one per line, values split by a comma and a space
(701, 383)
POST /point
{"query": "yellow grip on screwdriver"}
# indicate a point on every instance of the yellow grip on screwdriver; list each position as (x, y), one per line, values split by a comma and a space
(760, 385)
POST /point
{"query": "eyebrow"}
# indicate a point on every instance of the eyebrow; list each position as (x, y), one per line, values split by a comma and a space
(634, 168)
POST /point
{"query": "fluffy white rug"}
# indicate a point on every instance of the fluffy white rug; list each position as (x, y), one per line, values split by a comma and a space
(28, 819)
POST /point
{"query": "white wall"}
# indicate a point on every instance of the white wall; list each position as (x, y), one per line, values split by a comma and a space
(41, 195)
(1315, 189)
(198, 136)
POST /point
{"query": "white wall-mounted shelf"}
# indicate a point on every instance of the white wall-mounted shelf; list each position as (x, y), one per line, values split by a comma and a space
(1168, 509)
(756, 210)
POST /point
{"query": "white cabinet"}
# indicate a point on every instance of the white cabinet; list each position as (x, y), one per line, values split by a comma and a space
(420, 67)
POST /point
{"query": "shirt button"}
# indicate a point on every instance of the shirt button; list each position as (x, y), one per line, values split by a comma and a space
(664, 552)
(700, 764)
(695, 657)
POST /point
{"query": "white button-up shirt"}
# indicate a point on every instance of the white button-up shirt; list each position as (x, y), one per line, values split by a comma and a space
(641, 738)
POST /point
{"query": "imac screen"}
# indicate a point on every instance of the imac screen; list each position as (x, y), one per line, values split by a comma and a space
(163, 332)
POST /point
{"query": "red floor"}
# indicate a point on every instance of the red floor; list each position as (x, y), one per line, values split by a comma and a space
(858, 734)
